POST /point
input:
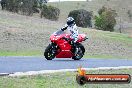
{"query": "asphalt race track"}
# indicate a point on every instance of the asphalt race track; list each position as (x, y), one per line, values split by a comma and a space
(24, 64)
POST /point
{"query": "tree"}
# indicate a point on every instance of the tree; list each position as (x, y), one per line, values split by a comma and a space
(103, 9)
(50, 12)
(3, 4)
(106, 19)
(41, 2)
(129, 14)
(25, 7)
(82, 17)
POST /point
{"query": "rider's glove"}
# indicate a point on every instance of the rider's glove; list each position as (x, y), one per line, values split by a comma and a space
(64, 28)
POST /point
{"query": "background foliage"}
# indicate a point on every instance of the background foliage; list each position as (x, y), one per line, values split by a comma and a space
(106, 19)
(82, 17)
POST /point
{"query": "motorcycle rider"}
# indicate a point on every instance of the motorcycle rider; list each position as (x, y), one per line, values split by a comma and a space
(72, 28)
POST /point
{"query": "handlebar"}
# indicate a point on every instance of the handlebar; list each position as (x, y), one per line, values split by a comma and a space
(85, 38)
(67, 39)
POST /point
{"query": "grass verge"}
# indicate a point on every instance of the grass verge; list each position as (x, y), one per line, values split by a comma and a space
(21, 53)
(60, 80)
(30, 36)
(40, 53)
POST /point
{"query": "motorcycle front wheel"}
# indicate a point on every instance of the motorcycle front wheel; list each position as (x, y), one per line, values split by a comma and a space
(79, 52)
(50, 52)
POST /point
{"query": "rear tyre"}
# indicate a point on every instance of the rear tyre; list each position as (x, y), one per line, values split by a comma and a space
(79, 52)
(50, 52)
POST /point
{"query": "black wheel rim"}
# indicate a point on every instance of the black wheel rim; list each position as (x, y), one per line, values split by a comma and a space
(79, 53)
(51, 54)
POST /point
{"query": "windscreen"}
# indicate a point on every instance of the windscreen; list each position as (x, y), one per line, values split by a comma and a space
(59, 32)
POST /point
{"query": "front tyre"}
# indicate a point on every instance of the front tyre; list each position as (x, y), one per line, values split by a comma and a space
(50, 52)
(79, 52)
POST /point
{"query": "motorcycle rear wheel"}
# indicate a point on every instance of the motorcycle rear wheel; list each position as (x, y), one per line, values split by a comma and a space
(50, 52)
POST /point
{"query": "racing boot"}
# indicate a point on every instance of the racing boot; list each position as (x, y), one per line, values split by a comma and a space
(74, 49)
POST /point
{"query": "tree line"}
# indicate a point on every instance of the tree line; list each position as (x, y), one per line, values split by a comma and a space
(25, 7)
(104, 21)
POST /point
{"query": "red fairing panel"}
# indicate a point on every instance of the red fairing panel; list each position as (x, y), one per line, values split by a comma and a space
(65, 49)
(81, 37)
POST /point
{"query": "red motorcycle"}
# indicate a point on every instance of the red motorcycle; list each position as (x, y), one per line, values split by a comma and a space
(61, 46)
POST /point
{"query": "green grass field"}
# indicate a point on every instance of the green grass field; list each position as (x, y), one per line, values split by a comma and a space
(60, 80)
(95, 37)
(21, 53)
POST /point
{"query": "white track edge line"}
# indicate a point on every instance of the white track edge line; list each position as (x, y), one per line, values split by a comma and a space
(28, 73)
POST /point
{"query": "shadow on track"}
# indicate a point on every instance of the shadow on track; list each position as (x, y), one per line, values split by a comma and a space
(69, 60)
